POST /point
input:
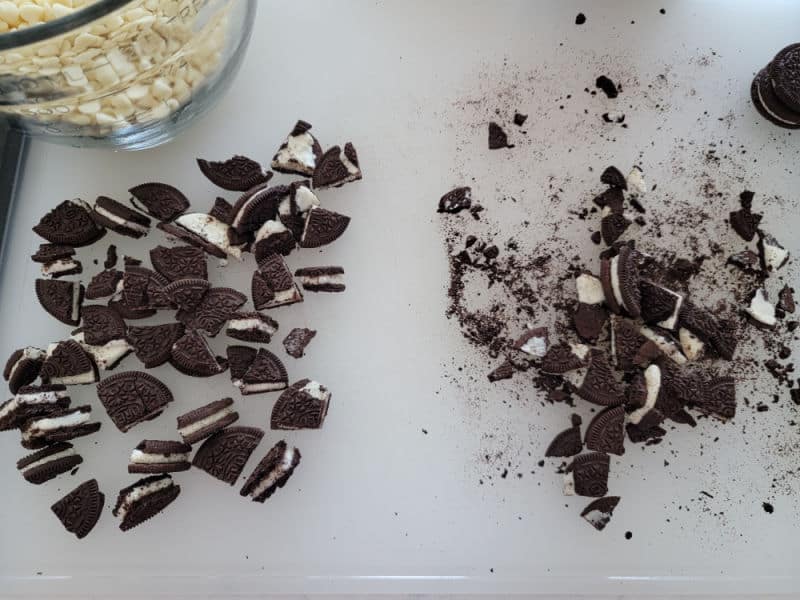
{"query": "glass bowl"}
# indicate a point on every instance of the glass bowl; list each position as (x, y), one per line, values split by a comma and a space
(125, 74)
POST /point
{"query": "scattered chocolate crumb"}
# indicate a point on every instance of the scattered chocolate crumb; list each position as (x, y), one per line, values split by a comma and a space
(497, 137)
(608, 87)
(425, 431)
(597, 237)
(768, 508)
(580, 19)
(111, 257)
(628, 535)
(519, 119)
(662, 11)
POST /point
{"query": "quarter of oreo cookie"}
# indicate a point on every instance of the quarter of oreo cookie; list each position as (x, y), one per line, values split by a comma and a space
(198, 424)
(101, 324)
(784, 72)
(191, 356)
(61, 299)
(159, 200)
(745, 222)
(257, 207)
(224, 454)
(156, 456)
(295, 343)
(119, 218)
(180, 262)
(67, 363)
(786, 299)
(80, 510)
(205, 232)
(135, 282)
(266, 373)
(215, 308)
(70, 224)
(187, 294)
(606, 431)
(104, 284)
(144, 499)
(272, 472)
(303, 405)
(251, 327)
(58, 426)
(292, 211)
(587, 475)
(49, 463)
(568, 442)
(30, 402)
(300, 152)
(273, 284)
(337, 167)
(613, 199)
(153, 343)
(133, 397)
(322, 227)
(273, 237)
(598, 512)
(48, 253)
(106, 356)
(565, 357)
(22, 367)
(321, 279)
(237, 174)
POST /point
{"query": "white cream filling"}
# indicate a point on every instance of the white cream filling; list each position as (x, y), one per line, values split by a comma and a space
(576, 377)
(145, 458)
(316, 390)
(284, 297)
(774, 256)
(672, 320)
(692, 345)
(652, 379)
(590, 289)
(211, 229)
(351, 168)
(766, 108)
(52, 457)
(668, 347)
(193, 428)
(119, 220)
(535, 346)
(109, 354)
(254, 388)
(140, 492)
(615, 287)
(250, 324)
(59, 266)
(636, 183)
(278, 472)
(299, 150)
(29, 399)
(597, 518)
(580, 350)
(51, 423)
(569, 484)
(304, 199)
(270, 228)
(29, 352)
(338, 278)
(76, 301)
(761, 309)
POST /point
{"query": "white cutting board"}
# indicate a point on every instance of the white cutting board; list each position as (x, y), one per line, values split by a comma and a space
(376, 505)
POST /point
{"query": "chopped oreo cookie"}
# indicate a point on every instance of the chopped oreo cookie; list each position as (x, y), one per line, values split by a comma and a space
(179, 262)
(153, 343)
(156, 456)
(105, 283)
(337, 167)
(67, 363)
(300, 153)
(272, 472)
(258, 206)
(216, 307)
(49, 463)
(224, 454)
(159, 200)
(534, 342)
(62, 267)
(292, 211)
(497, 137)
(720, 336)
(596, 383)
(273, 284)
(773, 255)
(693, 347)
(505, 370)
(237, 174)
(456, 200)
(101, 324)
(295, 343)
(606, 431)
(239, 360)
(321, 279)
(23, 366)
(770, 105)
(30, 402)
(626, 342)
(205, 232)
(198, 424)
(660, 306)
(119, 218)
(61, 299)
(613, 176)
(107, 355)
(251, 327)
(636, 183)
(568, 442)
(745, 222)
(47, 253)
(273, 237)
(786, 299)
(80, 510)
(303, 405)
(761, 311)
(144, 499)
(717, 398)
(563, 358)
(133, 397)
(613, 199)
(620, 278)
(187, 294)
(191, 356)
(222, 210)
(70, 224)
(587, 475)
(598, 512)
(58, 426)
(266, 373)
(322, 227)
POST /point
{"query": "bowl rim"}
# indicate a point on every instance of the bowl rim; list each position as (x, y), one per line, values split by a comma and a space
(60, 26)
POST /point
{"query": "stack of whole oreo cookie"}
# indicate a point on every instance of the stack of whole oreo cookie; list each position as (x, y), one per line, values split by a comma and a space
(776, 89)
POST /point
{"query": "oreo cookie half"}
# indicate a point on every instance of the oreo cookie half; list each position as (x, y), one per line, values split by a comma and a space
(58, 426)
(303, 405)
(237, 174)
(61, 299)
(70, 224)
(568, 442)
(606, 431)
(273, 284)
(133, 397)
(159, 200)
(272, 472)
(180, 262)
(30, 402)
(46, 464)
(48, 253)
(322, 227)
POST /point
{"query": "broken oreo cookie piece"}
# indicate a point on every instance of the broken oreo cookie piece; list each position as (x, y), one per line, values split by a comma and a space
(237, 174)
(606, 431)
(70, 224)
(119, 218)
(191, 356)
(273, 284)
(761, 311)
(133, 397)
(295, 343)
(660, 306)
(322, 227)
(321, 279)
(533, 342)
(337, 167)
(251, 327)
(563, 358)
(272, 472)
(153, 343)
(47, 253)
(144, 499)
(108, 355)
(266, 373)
(58, 426)
(159, 200)
(67, 363)
(300, 153)
(273, 237)
(613, 176)
(22, 367)
(598, 512)
(497, 137)
(30, 402)
(215, 308)
(456, 200)
(205, 232)
(61, 299)
(80, 510)
(198, 424)
(620, 279)
(187, 294)
(224, 454)
(179, 262)
(303, 405)
(568, 442)
(46, 464)
(587, 475)
(104, 284)
(156, 456)
(773, 255)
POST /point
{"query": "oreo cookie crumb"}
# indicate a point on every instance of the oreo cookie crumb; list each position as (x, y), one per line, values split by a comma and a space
(608, 87)
(580, 19)
(768, 508)
(628, 535)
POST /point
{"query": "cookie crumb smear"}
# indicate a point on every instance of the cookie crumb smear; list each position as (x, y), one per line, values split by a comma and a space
(263, 226)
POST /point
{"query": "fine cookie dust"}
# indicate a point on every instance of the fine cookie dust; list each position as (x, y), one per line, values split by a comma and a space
(179, 286)
(134, 66)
